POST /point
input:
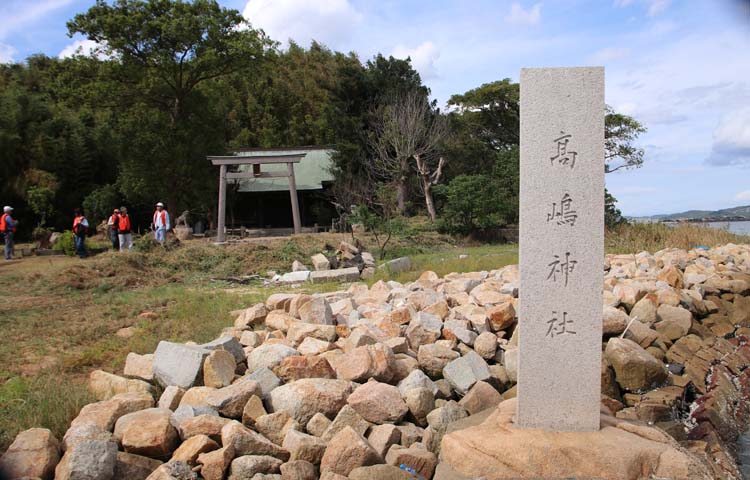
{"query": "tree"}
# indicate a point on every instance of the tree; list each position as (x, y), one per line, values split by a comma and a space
(406, 129)
(620, 131)
(163, 53)
(40, 194)
(612, 215)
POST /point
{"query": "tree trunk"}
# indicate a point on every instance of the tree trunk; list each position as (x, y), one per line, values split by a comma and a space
(428, 201)
(401, 192)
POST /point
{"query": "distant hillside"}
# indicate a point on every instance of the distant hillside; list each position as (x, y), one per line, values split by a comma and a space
(734, 213)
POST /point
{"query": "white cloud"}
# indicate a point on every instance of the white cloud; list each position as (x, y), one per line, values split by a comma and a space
(657, 6)
(423, 58)
(330, 22)
(519, 16)
(17, 14)
(606, 55)
(6, 53)
(732, 139)
(79, 47)
(743, 196)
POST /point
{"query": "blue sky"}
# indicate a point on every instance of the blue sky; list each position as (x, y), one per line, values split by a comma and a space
(681, 67)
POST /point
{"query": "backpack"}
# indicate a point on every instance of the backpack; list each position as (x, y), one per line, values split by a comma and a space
(81, 230)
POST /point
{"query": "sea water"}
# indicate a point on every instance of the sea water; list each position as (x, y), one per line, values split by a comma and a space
(740, 228)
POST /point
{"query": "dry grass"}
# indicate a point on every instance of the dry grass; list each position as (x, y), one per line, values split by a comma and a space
(652, 237)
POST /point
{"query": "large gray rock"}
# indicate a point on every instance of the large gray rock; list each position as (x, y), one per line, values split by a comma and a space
(320, 262)
(308, 396)
(268, 355)
(341, 275)
(228, 343)
(424, 329)
(397, 265)
(316, 310)
(416, 379)
(178, 364)
(267, 380)
(248, 466)
(230, 401)
(635, 368)
(464, 372)
(88, 460)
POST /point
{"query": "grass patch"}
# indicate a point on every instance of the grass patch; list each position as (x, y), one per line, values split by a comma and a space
(652, 237)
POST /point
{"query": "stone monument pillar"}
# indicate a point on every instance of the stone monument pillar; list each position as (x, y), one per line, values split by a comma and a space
(561, 248)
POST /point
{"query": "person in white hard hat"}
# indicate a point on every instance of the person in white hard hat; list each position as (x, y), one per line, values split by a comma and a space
(7, 229)
(160, 224)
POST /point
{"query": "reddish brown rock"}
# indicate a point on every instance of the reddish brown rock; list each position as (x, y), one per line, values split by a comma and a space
(378, 402)
(189, 450)
(297, 367)
(147, 432)
(33, 453)
(347, 451)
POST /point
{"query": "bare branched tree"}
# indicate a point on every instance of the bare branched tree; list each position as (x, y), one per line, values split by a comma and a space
(406, 136)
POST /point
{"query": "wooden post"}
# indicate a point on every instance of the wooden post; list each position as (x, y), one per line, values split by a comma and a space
(222, 203)
(293, 194)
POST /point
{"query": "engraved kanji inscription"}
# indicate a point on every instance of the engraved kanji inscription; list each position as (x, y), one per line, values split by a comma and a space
(560, 325)
(562, 266)
(563, 213)
(564, 155)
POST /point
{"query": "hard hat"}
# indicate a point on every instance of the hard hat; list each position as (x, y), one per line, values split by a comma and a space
(159, 204)
(7, 209)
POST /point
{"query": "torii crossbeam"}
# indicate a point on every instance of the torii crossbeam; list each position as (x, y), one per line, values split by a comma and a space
(256, 161)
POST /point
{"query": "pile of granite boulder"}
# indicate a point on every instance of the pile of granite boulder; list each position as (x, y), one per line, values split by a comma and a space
(369, 382)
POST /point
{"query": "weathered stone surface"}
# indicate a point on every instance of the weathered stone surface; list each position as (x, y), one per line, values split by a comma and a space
(33, 453)
(268, 356)
(420, 459)
(480, 397)
(88, 460)
(439, 421)
(379, 472)
(267, 380)
(248, 466)
(381, 438)
(274, 426)
(347, 417)
(635, 369)
(298, 470)
(171, 397)
(397, 265)
(252, 316)
(215, 463)
(420, 402)
(378, 402)
(135, 467)
(423, 330)
(314, 346)
(304, 398)
(434, 357)
(250, 339)
(341, 275)
(347, 451)
(105, 385)
(316, 311)
(196, 397)
(318, 424)
(299, 331)
(501, 316)
(417, 379)
(486, 345)
(218, 369)
(173, 471)
(297, 367)
(230, 401)
(85, 431)
(673, 322)
(302, 446)
(140, 367)
(209, 425)
(178, 364)
(459, 330)
(498, 449)
(147, 432)
(189, 450)
(252, 410)
(248, 442)
(320, 262)
(464, 372)
(614, 321)
(104, 414)
(368, 361)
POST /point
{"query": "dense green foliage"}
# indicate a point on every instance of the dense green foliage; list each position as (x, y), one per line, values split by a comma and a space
(173, 81)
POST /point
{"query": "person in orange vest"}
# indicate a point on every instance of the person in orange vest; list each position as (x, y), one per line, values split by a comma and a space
(123, 230)
(112, 226)
(7, 229)
(80, 230)
(160, 224)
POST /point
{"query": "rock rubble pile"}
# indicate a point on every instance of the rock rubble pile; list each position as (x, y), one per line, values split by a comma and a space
(357, 382)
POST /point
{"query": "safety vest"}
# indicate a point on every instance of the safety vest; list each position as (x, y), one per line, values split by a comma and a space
(123, 224)
(113, 222)
(163, 215)
(77, 223)
(4, 223)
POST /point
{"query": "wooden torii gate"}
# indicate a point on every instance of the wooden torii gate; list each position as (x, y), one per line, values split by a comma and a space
(256, 161)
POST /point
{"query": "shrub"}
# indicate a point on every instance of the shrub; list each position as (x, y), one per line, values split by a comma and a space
(65, 243)
(98, 204)
(472, 204)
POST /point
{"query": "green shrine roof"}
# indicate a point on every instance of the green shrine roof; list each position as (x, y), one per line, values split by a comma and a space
(309, 173)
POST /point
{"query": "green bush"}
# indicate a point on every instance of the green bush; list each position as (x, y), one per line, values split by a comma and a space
(473, 204)
(99, 204)
(65, 243)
